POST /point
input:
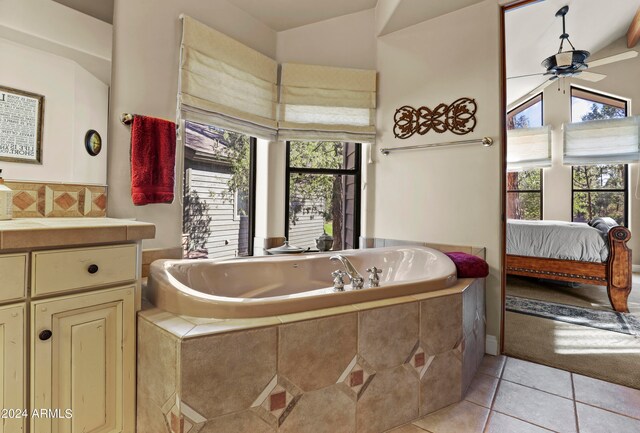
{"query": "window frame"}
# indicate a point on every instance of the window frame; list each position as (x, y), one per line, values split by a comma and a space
(600, 98)
(510, 115)
(356, 172)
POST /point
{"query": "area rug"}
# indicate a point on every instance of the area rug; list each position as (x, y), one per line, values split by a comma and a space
(600, 319)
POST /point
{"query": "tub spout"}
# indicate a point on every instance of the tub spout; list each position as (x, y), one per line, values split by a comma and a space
(357, 281)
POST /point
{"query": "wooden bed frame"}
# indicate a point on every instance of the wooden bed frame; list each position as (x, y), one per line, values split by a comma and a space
(615, 273)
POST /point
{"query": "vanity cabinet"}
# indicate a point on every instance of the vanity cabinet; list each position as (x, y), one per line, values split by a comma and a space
(82, 362)
(68, 302)
(12, 368)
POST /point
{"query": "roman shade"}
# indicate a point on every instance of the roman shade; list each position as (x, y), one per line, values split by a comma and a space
(610, 141)
(224, 78)
(528, 148)
(321, 102)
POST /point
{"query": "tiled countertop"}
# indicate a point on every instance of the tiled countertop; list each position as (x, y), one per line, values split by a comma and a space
(26, 233)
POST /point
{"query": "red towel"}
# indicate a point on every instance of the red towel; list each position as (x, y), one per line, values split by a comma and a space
(153, 159)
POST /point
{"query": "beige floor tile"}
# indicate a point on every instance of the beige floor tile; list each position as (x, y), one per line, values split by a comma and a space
(482, 390)
(459, 417)
(409, 428)
(594, 420)
(500, 423)
(538, 376)
(616, 398)
(536, 407)
(492, 365)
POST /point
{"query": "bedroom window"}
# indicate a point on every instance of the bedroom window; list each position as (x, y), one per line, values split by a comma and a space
(323, 193)
(524, 187)
(598, 190)
(219, 191)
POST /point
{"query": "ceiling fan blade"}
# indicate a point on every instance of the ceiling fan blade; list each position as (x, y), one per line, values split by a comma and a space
(527, 75)
(611, 59)
(591, 76)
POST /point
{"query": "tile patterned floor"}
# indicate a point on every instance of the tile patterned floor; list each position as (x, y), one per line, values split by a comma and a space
(509, 395)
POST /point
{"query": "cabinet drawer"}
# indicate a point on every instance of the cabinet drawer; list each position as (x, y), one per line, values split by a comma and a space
(64, 270)
(13, 269)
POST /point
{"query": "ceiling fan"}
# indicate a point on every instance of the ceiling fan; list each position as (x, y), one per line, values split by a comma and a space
(572, 63)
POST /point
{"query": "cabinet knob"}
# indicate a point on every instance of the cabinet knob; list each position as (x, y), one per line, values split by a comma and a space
(45, 335)
(93, 269)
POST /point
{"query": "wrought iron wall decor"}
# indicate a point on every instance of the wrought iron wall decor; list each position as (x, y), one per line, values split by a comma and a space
(459, 117)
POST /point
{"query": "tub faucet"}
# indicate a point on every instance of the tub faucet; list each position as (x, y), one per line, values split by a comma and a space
(357, 281)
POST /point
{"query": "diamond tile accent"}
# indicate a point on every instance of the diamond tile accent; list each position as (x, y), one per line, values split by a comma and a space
(357, 376)
(419, 360)
(100, 201)
(37, 200)
(177, 423)
(65, 200)
(276, 401)
(23, 200)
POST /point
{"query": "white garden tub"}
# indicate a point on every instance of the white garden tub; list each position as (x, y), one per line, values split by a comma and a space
(276, 285)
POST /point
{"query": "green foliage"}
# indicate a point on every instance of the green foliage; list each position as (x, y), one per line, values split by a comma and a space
(195, 222)
(591, 204)
(523, 202)
(603, 111)
(313, 193)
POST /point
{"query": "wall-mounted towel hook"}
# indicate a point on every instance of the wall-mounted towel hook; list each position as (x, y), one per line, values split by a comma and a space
(126, 118)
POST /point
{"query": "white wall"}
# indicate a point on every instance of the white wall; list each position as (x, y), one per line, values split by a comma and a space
(60, 30)
(449, 195)
(347, 41)
(145, 81)
(74, 102)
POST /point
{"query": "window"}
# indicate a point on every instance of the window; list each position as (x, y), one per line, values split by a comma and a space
(598, 190)
(524, 187)
(218, 208)
(323, 193)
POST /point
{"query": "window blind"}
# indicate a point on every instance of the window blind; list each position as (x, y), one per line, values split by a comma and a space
(610, 141)
(528, 148)
(224, 79)
(321, 102)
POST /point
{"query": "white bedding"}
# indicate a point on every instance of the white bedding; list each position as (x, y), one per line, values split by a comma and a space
(556, 240)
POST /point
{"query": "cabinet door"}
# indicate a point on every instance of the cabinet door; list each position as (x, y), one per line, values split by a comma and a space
(83, 363)
(12, 368)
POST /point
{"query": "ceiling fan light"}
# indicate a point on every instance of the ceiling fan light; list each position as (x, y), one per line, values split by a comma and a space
(564, 59)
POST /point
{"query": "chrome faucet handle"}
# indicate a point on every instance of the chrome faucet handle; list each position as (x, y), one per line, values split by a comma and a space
(357, 283)
(338, 280)
(374, 280)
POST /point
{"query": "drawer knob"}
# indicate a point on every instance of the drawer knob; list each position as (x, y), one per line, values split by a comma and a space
(45, 335)
(92, 269)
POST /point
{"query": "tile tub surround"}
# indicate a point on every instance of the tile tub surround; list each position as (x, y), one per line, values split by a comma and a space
(364, 368)
(45, 200)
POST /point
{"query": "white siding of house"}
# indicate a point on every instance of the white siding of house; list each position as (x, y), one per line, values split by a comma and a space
(307, 229)
(223, 225)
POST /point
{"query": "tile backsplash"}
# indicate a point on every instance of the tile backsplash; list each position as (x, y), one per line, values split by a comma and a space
(41, 200)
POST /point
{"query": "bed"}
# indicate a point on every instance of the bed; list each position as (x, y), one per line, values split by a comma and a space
(594, 253)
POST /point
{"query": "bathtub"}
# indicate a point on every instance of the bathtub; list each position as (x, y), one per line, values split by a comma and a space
(276, 285)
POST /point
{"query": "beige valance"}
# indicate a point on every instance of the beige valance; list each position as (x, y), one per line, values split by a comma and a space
(224, 78)
(322, 102)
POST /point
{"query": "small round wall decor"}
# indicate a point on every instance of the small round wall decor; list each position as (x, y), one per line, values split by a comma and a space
(93, 142)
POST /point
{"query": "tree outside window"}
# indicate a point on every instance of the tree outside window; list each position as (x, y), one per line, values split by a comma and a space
(524, 188)
(598, 190)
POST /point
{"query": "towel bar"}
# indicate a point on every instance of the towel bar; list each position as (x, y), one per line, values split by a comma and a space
(485, 141)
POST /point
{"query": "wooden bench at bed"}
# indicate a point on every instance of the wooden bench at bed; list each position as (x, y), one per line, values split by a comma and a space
(615, 273)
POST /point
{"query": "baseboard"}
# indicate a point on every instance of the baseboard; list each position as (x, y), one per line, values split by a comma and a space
(635, 268)
(491, 345)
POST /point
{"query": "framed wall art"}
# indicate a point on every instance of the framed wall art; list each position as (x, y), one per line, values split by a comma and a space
(21, 120)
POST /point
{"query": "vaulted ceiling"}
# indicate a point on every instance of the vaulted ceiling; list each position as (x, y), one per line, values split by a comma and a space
(532, 34)
(100, 9)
